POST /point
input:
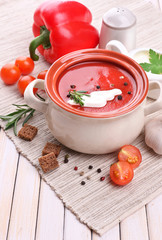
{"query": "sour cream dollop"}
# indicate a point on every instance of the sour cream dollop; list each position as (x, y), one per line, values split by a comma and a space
(141, 56)
(98, 98)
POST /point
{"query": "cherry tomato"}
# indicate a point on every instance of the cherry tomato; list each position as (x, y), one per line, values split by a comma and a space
(130, 154)
(25, 64)
(10, 74)
(24, 82)
(121, 173)
(42, 74)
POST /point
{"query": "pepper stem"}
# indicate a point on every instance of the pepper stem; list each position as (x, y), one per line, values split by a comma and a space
(42, 39)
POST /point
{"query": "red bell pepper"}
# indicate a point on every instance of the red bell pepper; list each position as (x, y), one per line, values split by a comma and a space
(61, 27)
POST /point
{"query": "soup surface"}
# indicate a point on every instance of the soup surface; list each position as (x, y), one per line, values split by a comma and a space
(97, 76)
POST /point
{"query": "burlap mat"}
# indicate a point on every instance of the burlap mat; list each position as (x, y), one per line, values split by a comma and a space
(98, 204)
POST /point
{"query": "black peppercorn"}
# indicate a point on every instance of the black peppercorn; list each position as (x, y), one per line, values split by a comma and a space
(98, 87)
(68, 95)
(66, 160)
(72, 86)
(119, 97)
(83, 183)
(99, 170)
(125, 84)
(129, 92)
(90, 167)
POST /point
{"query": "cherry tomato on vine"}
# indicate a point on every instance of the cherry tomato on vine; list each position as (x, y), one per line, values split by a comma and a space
(130, 154)
(121, 173)
(42, 74)
(25, 64)
(10, 73)
(24, 82)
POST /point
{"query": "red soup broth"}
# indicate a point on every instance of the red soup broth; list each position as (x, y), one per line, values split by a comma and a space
(97, 76)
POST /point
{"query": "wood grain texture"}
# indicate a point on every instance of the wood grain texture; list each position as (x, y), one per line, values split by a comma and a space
(160, 4)
(73, 229)
(24, 210)
(134, 227)
(155, 3)
(8, 168)
(154, 215)
(112, 234)
(50, 222)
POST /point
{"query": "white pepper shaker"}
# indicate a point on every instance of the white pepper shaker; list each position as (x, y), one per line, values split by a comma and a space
(118, 24)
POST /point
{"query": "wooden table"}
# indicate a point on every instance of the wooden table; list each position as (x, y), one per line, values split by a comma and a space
(29, 209)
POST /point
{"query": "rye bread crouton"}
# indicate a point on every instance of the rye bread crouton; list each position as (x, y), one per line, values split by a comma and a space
(51, 147)
(27, 132)
(48, 162)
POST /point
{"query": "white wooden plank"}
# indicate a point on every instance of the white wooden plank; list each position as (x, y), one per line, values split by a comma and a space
(155, 3)
(8, 167)
(73, 229)
(134, 227)
(112, 234)
(24, 210)
(160, 4)
(154, 215)
(50, 216)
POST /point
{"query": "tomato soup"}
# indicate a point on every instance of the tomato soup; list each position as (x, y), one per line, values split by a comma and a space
(98, 76)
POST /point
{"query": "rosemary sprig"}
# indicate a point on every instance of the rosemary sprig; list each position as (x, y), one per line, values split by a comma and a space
(13, 118)
(77, 96)
(41, 98)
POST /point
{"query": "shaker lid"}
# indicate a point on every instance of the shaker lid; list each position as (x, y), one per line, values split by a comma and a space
(119, 17)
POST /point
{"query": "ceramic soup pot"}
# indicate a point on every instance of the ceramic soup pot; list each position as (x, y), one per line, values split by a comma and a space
(88, 131)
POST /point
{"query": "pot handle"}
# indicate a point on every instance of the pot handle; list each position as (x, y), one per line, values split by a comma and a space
(155, 92)
(117, 46)
(31, 99)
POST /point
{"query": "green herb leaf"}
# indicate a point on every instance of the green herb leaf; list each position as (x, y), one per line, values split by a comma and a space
(15, 127)
(155, 65)
(28, 117)
(4, 118)
(13, 118)
(8, 126)
(20, 105)
(81, 91)
(41, 98)
(77, 96)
